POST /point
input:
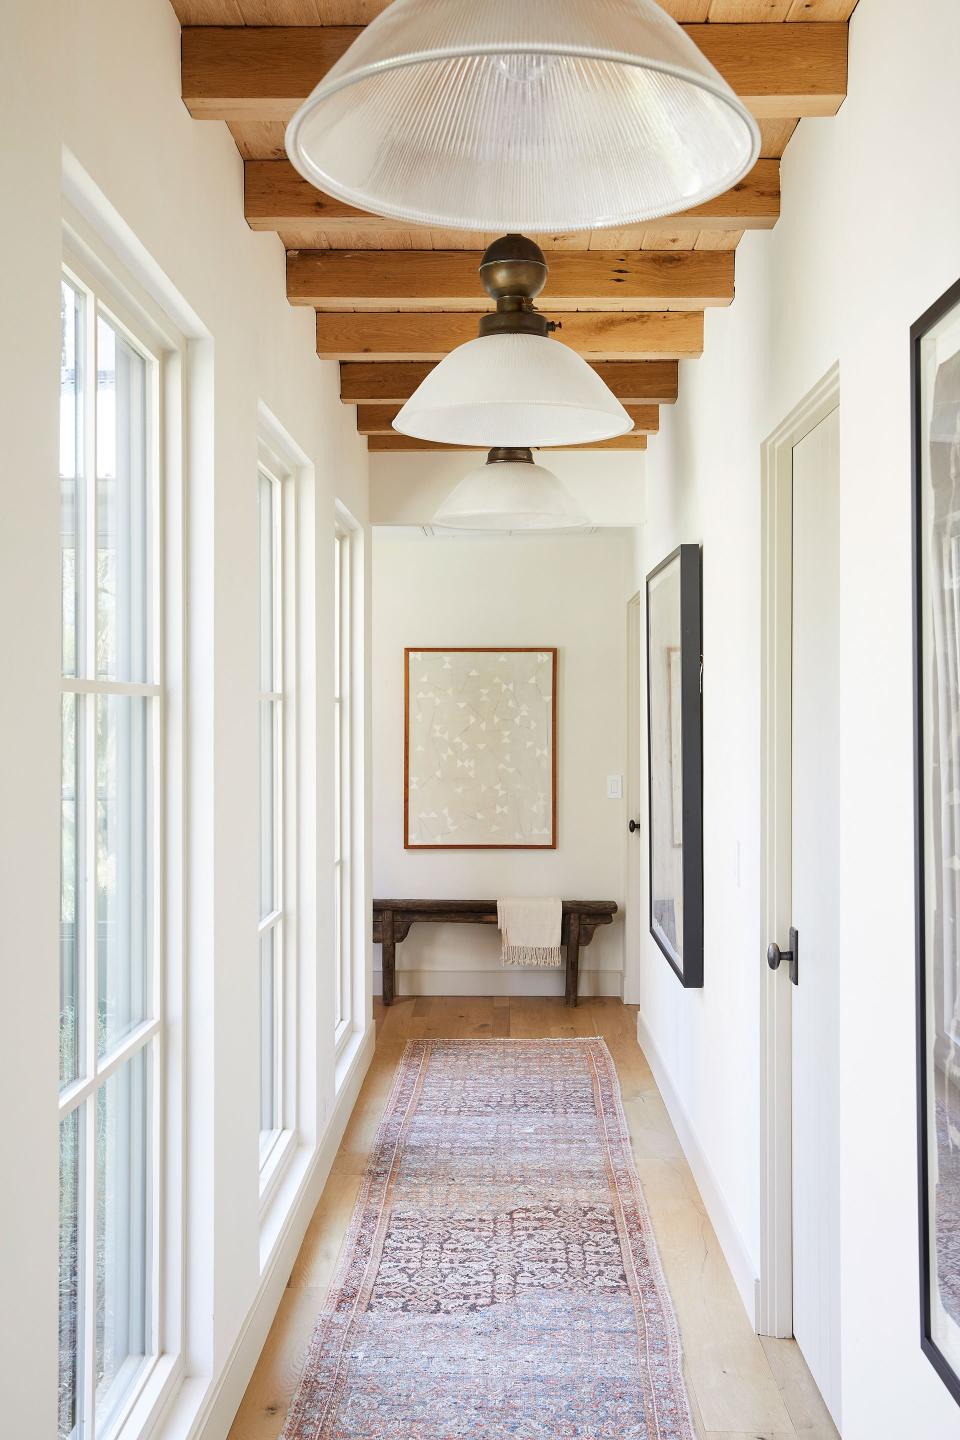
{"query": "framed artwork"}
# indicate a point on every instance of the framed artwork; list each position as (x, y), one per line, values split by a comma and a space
(480, 749)
(935, 379)
(675, 761)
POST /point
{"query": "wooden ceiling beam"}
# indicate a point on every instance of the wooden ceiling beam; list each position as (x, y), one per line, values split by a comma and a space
(448, 279)
(276, 197)
(265, 72)
(634, 382)
(429, 335)
(378, 419)
(392, 443)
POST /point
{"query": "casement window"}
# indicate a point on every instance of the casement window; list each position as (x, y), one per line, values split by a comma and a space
(113, 842)
(275, 864)
(345, 928)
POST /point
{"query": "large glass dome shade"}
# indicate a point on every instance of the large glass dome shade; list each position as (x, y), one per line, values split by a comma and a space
(531, 115)
(512, 390)
(510, 492)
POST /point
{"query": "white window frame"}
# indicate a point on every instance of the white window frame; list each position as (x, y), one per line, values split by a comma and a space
(108, 290)
(276, 1146)
(348, 930)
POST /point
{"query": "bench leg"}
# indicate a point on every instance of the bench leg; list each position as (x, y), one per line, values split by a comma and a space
(389, 956)
(573, 960)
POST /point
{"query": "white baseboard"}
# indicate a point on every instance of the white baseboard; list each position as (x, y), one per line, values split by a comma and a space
(734, 1250)
(191, 1418)
(499, 982)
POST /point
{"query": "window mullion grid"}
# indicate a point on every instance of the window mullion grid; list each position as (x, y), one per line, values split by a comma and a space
(278, 804)
(88, 687)
(345, 781)
(76, 1095)
(87, 717)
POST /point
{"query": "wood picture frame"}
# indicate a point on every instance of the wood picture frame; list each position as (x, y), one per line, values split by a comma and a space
(502, 789)
(935, 409)
(675, 873)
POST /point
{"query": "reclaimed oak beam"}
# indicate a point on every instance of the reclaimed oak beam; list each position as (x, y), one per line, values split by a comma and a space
(264, 72)
(430, 335)
(276, 197)
(448, 279)
(636, 382)
(378, 419)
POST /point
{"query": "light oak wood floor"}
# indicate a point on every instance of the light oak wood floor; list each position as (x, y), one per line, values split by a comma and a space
(741, 1387)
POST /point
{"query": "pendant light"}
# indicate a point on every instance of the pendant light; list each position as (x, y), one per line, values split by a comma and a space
(512, 385)
(510, 492)
(532, 115)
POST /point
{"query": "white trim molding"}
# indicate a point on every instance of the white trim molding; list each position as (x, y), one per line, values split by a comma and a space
(775, 1290)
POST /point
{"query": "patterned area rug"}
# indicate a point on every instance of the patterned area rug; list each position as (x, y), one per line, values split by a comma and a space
(500, 1279)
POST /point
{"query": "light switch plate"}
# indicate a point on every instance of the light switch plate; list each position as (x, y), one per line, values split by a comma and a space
(614, 787)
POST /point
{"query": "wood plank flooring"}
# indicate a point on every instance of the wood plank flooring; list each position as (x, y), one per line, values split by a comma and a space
(741, 1388)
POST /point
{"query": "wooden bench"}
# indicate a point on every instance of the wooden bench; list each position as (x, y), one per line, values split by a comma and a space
(392, 920)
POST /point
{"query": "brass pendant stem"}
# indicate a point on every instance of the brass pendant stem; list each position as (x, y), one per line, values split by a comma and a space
(514, 271)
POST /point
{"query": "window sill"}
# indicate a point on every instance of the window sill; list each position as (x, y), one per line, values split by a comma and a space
(277, 1159)
(347, 1052)
(155, 1387)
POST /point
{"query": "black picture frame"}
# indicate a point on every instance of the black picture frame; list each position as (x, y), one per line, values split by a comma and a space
(686, 957)
(940, 310)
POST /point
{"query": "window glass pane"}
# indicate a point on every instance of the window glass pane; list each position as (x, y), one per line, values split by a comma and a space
(122, 1236)
(341, 1014)
(268, 1096)
(267, 600)
(337, 784)
(337, 615)
(124, 863)
(71, 465)
(123, 509)
(69, 893)
(268, 838)
(68, 1388)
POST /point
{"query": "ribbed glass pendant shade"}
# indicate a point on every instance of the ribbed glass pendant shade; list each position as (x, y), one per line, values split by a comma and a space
(510, 495)
(513, 390)
(532, 115)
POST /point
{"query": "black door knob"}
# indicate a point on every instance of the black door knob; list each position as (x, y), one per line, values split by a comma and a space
(790, 958)
(634, 826)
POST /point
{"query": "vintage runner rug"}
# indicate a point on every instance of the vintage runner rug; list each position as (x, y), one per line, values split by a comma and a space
(499, 1280)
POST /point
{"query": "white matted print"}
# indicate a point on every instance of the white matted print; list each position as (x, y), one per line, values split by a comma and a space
(480, 751)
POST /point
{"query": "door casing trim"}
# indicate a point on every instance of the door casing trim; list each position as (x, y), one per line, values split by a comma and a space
(775, 1289)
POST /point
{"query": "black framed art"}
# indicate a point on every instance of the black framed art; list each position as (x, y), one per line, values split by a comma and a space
(935, 381)
(675, 761)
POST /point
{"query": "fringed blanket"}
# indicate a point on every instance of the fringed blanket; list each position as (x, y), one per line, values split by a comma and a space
(530, 931)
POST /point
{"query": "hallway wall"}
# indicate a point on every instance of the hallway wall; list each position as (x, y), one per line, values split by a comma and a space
(94, 86)
(867, 240)
(566, 592)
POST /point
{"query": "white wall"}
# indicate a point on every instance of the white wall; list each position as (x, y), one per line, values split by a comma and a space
(867, 240)
(566, 592)
(102, 79)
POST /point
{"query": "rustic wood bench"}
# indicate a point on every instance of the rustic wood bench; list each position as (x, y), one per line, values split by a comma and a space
(392, 920)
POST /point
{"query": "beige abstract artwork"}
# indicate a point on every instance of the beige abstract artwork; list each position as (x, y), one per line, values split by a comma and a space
(480, 748)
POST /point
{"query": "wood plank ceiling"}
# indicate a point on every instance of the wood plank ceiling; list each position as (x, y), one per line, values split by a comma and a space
(392, 299)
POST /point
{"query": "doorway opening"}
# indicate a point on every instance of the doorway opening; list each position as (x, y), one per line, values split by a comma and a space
(799, 1200)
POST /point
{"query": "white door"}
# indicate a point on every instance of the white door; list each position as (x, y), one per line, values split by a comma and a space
(816, 1197)
(635, 917)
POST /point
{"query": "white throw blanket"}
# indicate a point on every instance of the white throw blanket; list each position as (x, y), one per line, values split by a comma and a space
(530, 931)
